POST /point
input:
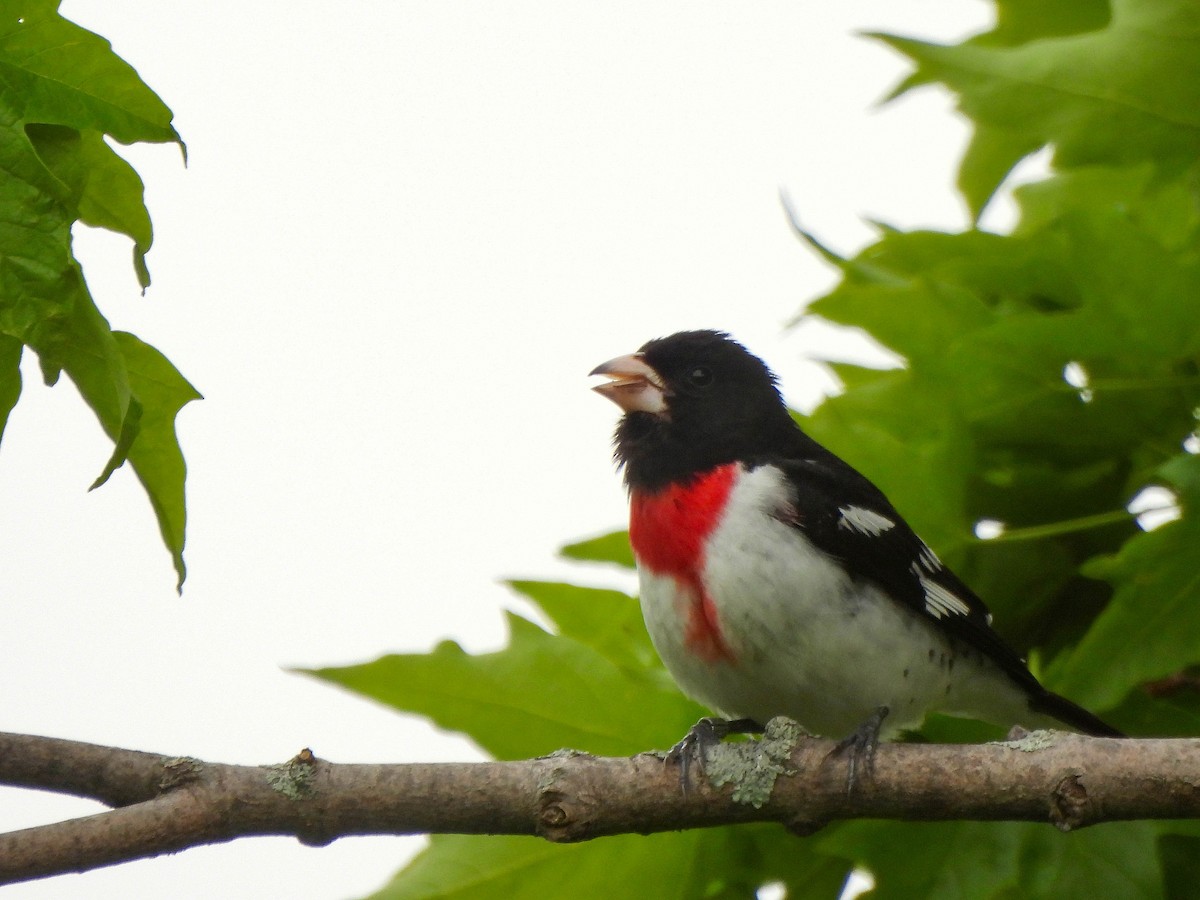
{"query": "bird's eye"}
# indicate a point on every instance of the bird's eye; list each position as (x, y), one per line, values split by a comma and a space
(700, 376)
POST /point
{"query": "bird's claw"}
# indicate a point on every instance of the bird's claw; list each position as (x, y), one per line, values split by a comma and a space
(706, 733)
(859, 747)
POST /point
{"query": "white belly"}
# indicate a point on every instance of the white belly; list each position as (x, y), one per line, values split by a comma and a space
(805, 640)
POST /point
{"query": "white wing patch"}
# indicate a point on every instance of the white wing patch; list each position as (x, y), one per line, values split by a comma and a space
(864, 521)
(939, 602)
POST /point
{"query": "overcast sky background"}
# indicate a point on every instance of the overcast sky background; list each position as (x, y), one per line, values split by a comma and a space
(406, 232)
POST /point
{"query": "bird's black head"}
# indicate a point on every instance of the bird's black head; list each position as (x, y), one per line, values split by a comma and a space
(693, 401)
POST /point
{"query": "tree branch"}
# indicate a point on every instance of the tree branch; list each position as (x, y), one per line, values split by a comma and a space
(166, 804)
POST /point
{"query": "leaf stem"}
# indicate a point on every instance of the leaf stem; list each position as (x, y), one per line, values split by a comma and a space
(1131, 384)
(1067, 526)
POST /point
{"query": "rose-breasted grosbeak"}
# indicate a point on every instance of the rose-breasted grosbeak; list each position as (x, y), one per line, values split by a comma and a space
(777, 580)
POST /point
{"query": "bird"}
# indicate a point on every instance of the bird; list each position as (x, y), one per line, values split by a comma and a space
(777, 580)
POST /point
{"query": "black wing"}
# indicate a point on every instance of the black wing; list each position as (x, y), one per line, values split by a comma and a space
(850, 519)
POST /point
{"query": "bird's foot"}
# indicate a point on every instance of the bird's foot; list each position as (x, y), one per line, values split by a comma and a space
(859, 747)
(704, 734)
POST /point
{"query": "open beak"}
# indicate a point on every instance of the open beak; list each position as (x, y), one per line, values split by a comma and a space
(632, 385)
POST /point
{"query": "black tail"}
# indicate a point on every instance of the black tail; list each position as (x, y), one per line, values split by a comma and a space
(1072, 714)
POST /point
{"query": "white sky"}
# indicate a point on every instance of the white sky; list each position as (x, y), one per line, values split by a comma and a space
(406, 233)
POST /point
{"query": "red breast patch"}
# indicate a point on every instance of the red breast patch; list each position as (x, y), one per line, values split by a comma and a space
(668, 529)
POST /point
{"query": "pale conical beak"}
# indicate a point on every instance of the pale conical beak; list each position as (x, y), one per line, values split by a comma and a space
(632, 385)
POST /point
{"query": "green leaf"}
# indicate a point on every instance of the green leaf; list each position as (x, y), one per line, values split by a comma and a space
(978, 860)
(62, 91)
(104, 188)
(1166, 713)
(609, 622)
(155, 454)
(541, 693)
(130, 426)
(1116, 859)
(609, 548)
(1162, 209)
(983, 424)
(1149, 629)
(79, 341)
(947, 860)
(1021, 21)
(989, 157)
(716, 863)
(1100, 92)
(136, 393)
(10, 377)
(61, 74)
(1180, 858)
